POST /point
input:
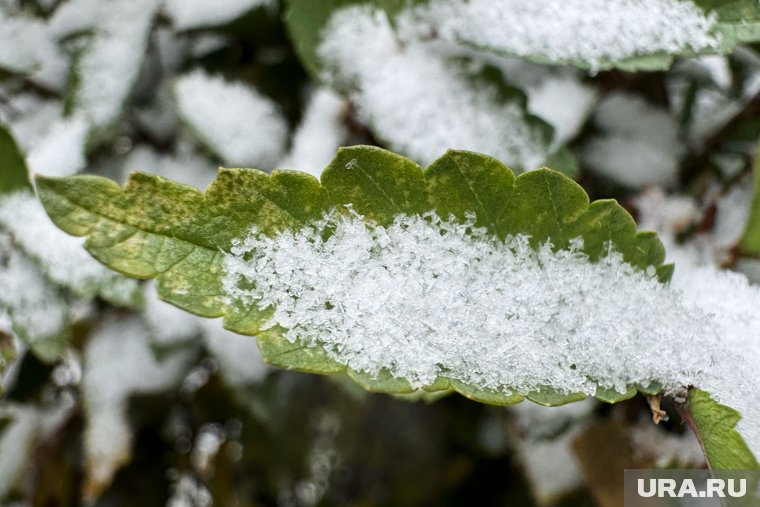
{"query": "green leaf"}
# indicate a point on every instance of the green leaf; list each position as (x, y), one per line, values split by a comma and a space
(750, 242)
(12, 166)
(715, 427)
(738, 20)
(156, 228)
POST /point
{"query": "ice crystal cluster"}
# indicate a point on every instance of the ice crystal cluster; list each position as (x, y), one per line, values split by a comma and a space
(428, 297)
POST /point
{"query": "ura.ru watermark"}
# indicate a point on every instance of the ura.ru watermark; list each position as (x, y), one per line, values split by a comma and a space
(713, 488)
(687, 488)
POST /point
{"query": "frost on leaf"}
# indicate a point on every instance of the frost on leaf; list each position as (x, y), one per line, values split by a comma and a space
(426, 297)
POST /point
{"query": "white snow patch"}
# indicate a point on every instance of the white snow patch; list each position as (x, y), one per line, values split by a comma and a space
(563, 102)
(237, 122)
(238, 356)
(74, 17)
(667, 449)
(109, 65)
(32, 120)
(37, 310)
(544, 446)
(423, 297)
(189, 14)
(158, 314)
(16, 442)
(240, 362)
(62, 151)
(639, 144)
(319, 135)
(60, 256)
(732, 214)
(418, 99)
(593, 31)
(27, 47)
(118, 362)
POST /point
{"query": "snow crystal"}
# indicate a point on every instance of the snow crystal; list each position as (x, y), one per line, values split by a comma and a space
(188, 14)
(419, 100)
(118, 362)
(639, 144)
(423, 297)
(67, 264)
(319, 135)
(238, 123)
(109, 65)
(593, 31)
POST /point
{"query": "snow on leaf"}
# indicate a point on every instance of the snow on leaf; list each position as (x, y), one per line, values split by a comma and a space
(74, 17)
(423, 99)
(459, 277)
(118, 363)
(193, 14)
(598, 34)
(156, 228)
(639, 144)
(28, 47)
(108, 67)
(243, 127)
(38, 311)
(62, 151)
